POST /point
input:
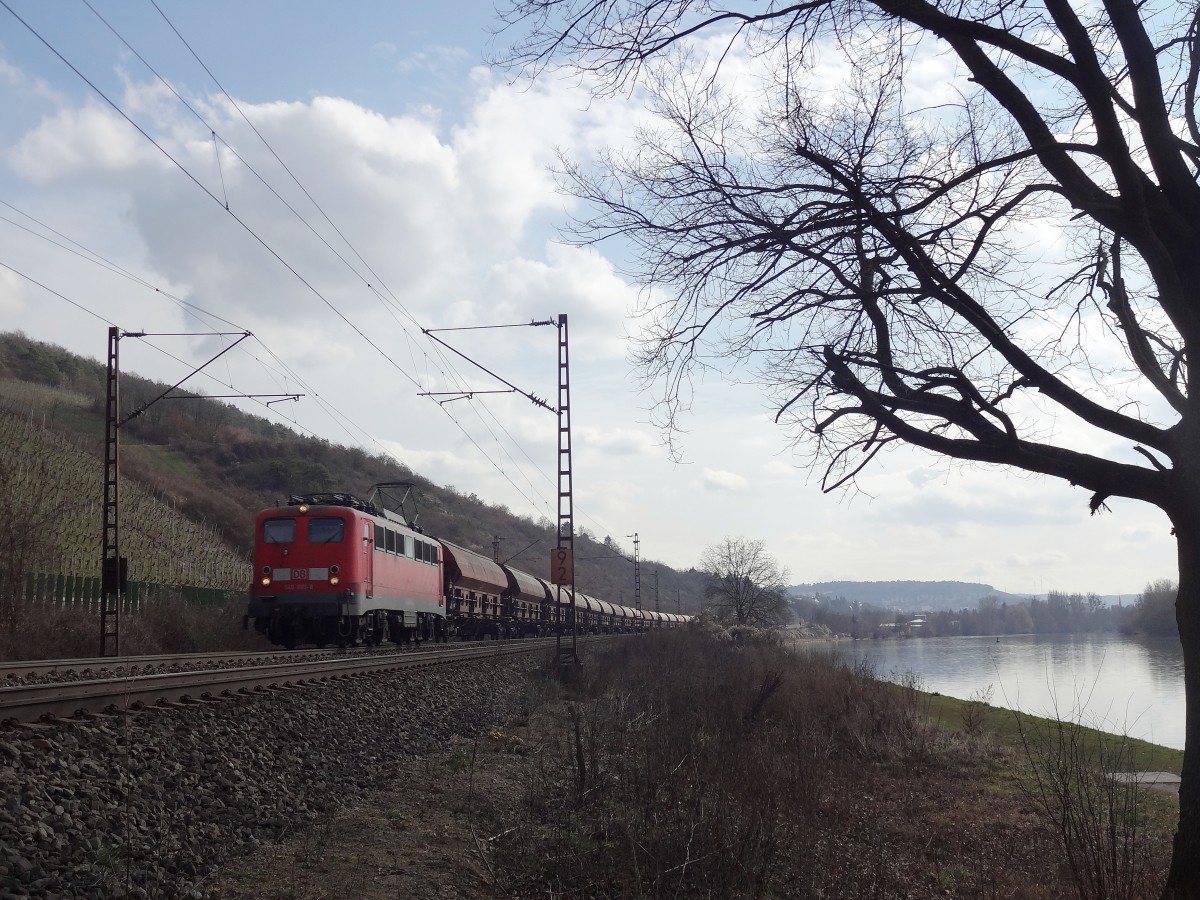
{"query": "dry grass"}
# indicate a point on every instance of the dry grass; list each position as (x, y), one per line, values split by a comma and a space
(680, 765)
(165, 625)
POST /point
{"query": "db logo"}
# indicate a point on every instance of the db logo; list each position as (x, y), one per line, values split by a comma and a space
(300, 574)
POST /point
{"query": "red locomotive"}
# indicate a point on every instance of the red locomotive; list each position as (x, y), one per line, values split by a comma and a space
(329, 568)
(332, 569)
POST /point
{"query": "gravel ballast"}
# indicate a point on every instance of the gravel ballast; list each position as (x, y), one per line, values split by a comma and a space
(146, 805)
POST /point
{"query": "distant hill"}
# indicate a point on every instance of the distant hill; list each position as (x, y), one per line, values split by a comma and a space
(909, 596)
(195, 474)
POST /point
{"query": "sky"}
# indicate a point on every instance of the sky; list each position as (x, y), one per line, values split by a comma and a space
(336, 177)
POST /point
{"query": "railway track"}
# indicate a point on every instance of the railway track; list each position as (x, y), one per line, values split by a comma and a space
(68, 699)
(65, 668)
(24, 671)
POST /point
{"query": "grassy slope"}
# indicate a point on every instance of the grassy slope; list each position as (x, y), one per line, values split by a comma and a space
(1014, 728)
(1047, 758)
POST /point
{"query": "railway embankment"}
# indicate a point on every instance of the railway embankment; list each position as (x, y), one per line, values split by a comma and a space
(148, 804)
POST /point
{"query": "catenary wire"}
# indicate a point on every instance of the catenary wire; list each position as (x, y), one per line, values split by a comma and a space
(445, 362)
(271, 250)
(453, 376)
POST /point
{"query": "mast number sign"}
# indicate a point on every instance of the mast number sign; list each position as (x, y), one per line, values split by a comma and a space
(562, 566)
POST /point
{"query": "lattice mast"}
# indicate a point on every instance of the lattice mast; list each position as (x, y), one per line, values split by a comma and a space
(637, 571)
(566, 507)
(113, 566)
(111, 562)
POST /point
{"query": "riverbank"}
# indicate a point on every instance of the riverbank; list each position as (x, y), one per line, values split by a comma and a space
(1120, 684)
(683, 765)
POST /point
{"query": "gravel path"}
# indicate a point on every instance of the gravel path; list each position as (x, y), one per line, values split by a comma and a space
(146, 805)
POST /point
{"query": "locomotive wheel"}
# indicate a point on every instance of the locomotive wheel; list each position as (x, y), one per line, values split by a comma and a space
(282, 632)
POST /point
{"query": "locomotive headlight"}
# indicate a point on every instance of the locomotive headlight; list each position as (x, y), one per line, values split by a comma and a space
(266, 582)
(303, 508)
(333, 579)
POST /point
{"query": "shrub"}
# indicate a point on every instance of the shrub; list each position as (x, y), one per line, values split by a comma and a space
(690, 764)
(1101, 820)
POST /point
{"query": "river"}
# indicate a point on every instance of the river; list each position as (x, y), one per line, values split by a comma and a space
(1117, 684)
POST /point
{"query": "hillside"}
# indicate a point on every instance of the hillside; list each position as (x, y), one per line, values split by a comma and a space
(195, 474)
(908, 596)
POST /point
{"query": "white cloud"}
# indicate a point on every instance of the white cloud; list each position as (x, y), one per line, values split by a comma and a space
(921, 477)
(614, 442)
(435, 217)
(718, 480)
(20, 81)
(455, 468)
(82, 142)
(433, 59)
(1143, 533)
(12, 292)
(778, 467)
(1036, 560)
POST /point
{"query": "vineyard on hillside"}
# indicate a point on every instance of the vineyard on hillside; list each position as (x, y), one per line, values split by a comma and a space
(52, 498)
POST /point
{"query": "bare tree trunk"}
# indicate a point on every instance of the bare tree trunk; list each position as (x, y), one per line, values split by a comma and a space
(1184, 878)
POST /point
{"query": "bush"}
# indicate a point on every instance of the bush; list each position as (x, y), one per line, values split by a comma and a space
(1100, 819)
(690, 764)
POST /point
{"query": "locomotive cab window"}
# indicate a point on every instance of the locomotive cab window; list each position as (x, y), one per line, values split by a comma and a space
(326, 531)
(279, 531)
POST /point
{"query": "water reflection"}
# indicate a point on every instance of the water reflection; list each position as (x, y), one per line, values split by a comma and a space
(1121, 685)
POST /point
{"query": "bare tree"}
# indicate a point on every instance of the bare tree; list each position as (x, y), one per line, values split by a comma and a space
(746, 585)
(1155, 605)
(963, 271)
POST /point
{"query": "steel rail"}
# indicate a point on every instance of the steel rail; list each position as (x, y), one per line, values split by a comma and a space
(61, 666)
(36, 667)
(25, 703)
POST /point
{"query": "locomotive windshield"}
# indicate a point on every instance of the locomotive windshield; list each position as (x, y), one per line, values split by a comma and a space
(279, 531)
(325, 531)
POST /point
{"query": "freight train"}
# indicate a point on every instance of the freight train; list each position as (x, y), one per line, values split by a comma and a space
(331, 569)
